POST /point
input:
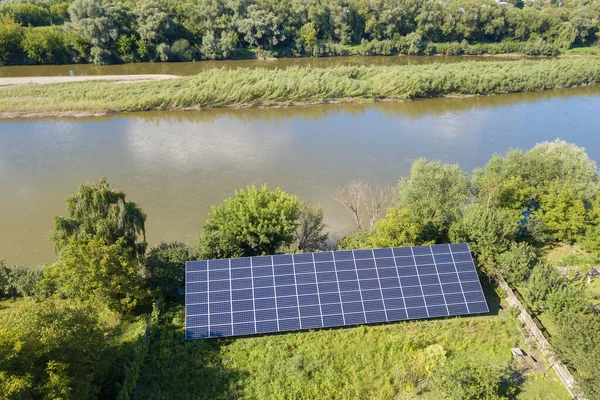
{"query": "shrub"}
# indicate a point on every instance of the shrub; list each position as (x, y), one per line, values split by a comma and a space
(45, 45)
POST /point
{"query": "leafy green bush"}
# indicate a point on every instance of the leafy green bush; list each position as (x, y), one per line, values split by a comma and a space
(26, 13)
(45, 45)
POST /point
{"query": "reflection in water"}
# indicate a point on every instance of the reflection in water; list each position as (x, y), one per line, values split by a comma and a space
(175, 165)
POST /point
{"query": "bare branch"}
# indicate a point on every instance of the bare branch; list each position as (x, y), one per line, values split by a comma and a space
(352, 196)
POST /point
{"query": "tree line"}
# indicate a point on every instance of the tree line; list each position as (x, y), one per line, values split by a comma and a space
(109, 31)
(63, 342)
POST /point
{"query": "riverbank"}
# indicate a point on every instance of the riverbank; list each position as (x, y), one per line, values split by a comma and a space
(43, 80)
(245, 87)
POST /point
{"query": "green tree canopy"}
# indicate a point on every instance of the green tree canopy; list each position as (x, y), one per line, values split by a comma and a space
(309, 233)
(165, 267)
(517, 262)
(543, 281)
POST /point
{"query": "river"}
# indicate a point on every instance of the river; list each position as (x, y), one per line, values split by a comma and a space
(175, 165)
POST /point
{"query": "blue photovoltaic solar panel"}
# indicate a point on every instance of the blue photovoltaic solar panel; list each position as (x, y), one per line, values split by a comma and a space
(255, 295)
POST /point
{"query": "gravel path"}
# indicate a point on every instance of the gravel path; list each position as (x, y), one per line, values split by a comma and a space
(40, 80)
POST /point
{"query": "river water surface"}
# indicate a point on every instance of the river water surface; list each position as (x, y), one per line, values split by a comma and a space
(175, 165)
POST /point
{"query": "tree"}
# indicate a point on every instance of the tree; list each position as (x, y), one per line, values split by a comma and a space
(165, 267)
(569, 299)
(516, 263)
(309, 232)
(544, 280)
(154, 24)
(24, 281)
(256, 221)
(102, 213)
(51, 349)
(260, 28)
(362, 199)
(11, 33)
(45, 45)
(399, 228)
(563, 211)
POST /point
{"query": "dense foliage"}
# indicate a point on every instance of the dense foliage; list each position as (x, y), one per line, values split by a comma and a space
(111, 31)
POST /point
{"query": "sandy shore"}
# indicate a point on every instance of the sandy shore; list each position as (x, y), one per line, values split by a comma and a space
(41, 80)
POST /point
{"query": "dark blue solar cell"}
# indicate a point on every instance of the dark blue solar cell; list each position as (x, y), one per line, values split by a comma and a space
(479, 307)
(245, 294)
(449, 278)
(215, 286)
(348, 286)
(288, 312)
(385, 263)
(307, 289)
(195, 309)
(350, 296)
(354, 318)
(311, 322)
(263, 282)
(451, 288)
(261, 260)
(345, 266)
(329, 298)
(457, 309)
(407, 271)
(465, 267)
(244, 329)
(323, 256)
(333, 320)
(219, 296)
(468, 276)
(196, 266)
(325, 267)
(222, 307)
(244, 305)
(219, 274)
(391, 304)
(326, 277)
(301, 279)
(374, 305)
(328, 287)
(308, 300)
(241, 283)
(289, 324)
(414, 302)
(369, 284)
(304, 268)
(241, 273)
(412, 291)
(196, 276)
(431, 289)
(473, 297)
(390, 283)
(429, 279)
(303, 258)
(261, 304)
(334, 308)
(409, 281)
(383, 253)
(260, 293)
(361, 254)
(219, 319)
(196, 333)
(343, 255)
(423, 260)
(284, 269)
(310, 311)
(240, 262)
(426, 269)
(470, 286)
(363, 264)
(346, 275)
(391, 293)
(442, 258)
(405, 261)
(352, 307)
(437, 311)
(285, 290)
(445, 268)
(196, 320)
(421, 250)
(367, 274)
(434, 300)
(246, 316)
(459, 247)
(374, 317)
(288, 301)
(266, 327)
(419, 312)
(397, 315)
(280, 259)
(402, 252)
(266, 315)
(218, 264)
(387, 273)
(453, 298)
(440, 248)
(371, 294)
(282, 280)
(458, 257)
(196, 287)
(263, 271)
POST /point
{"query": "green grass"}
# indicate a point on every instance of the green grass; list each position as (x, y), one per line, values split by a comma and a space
(243, 87)
(11, 306)
(543, 386)
(583, 51)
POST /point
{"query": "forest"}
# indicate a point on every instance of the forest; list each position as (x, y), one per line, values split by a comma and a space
(109, 31)
(105, 320)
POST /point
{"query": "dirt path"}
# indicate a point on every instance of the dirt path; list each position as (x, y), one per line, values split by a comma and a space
(40, 80)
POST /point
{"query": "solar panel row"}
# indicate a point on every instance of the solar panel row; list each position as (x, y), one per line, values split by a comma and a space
(265, 294)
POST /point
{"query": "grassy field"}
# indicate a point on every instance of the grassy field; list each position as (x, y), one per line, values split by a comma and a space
(583, 51)
(256, 87)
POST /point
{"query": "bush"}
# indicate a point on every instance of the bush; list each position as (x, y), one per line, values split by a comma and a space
(26, 13)
(45, 45)
(11, 33)
(165, 267)
(182, 51)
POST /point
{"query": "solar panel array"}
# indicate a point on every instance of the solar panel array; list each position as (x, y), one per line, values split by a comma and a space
(255, 295)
